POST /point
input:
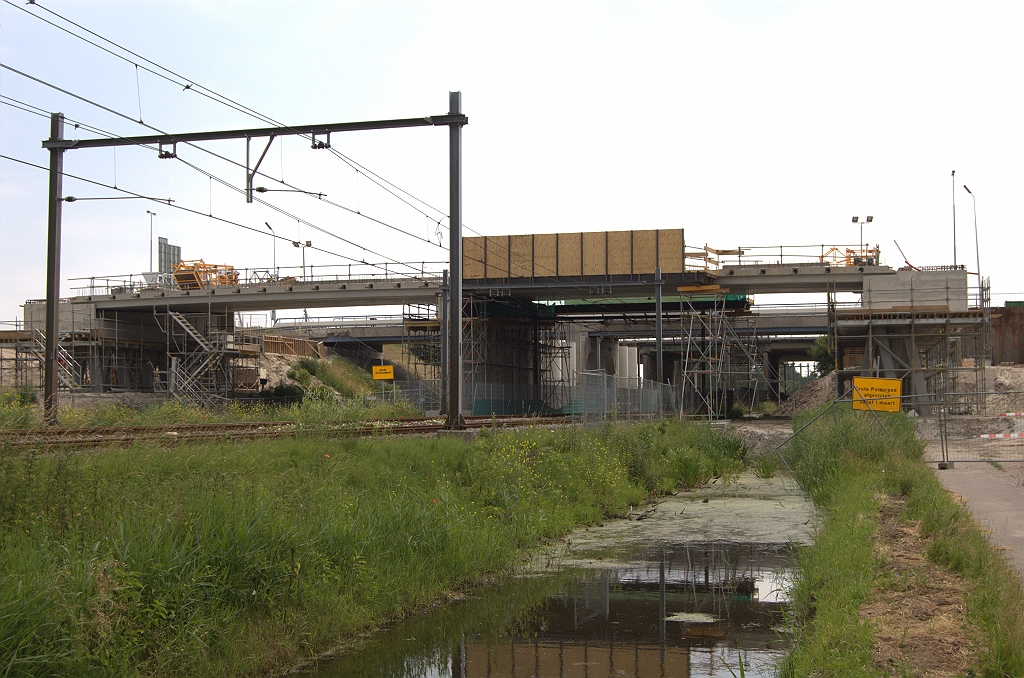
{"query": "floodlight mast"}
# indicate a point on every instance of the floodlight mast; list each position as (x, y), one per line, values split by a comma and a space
(57, 145)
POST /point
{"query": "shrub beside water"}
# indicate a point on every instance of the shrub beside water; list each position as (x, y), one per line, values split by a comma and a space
(240, 558)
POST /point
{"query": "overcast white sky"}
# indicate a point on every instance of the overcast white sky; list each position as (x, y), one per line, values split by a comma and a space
(746, 123)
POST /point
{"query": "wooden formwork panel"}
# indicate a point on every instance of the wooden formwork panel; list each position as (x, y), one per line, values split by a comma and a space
(570, 252)
(670, 250)
(497, 256)
(595, 253)
(473, 258)
(520, 256)
(573, 254)
(620, 252)
(645, 252)
(546, 263)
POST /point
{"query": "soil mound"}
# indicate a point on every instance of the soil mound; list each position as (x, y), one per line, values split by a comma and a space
(809, 396)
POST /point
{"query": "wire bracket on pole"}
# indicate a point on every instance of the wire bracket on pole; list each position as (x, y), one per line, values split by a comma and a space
(167, 155)
(318, 145)
(250, 175)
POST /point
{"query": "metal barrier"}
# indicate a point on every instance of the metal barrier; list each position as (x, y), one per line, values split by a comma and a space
(997, 436)
(597, 395)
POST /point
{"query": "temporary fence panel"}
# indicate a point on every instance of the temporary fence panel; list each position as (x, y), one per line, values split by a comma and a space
(598, 395)
(997, 436)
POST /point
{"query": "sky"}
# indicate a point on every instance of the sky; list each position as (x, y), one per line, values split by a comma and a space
(745, 123)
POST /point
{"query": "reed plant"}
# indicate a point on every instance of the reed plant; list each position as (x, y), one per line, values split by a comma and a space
(239, 558)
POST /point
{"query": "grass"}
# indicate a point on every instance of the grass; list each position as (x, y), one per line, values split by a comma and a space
(241, 558)
(313, 412)
(339, 374)
(846, 462)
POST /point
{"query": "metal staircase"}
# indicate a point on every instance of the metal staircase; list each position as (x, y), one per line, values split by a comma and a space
(196, 378)
(69, 371)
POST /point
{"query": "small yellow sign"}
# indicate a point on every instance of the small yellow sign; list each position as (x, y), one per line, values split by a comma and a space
(880, 395)
(383, 372)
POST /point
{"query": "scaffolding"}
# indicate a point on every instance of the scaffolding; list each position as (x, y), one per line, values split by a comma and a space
(421, 341)
(720, 364)
(516, 358)
(937, 343)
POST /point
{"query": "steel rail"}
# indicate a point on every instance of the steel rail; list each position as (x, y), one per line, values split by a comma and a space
(127, 435)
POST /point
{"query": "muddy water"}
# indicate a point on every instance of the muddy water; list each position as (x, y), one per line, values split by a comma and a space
(695, 589)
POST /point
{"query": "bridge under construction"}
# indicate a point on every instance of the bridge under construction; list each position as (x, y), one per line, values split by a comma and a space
(551, 323)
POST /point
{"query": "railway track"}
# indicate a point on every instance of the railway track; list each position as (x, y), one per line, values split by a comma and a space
(98, 436)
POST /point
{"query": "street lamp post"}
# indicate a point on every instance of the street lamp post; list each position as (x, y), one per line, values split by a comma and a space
(860, 245)
(977, 252)
(151, 215)
(953, 175)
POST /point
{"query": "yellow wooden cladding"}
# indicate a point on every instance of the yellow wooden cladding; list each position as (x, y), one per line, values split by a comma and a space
(569, 253)
(595, 253)
(670, 251)
(620, 252)
(545, 255)
(473, 258)
(603, 253)
(520, 256)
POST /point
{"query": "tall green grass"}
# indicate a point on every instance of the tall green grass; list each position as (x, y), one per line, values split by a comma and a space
(240, 558)
(311, 413)
(340, 374)
(845, 460)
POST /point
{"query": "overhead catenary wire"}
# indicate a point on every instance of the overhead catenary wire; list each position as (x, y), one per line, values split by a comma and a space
(193, 86)
(215, 96)
(168, 203)
(329, 202)
(41, 112)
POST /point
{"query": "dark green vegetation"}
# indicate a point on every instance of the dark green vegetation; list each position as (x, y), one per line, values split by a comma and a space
(240, 558)
(846, 462)
(825, 362)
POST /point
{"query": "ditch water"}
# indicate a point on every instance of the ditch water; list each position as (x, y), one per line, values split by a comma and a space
(684, 593)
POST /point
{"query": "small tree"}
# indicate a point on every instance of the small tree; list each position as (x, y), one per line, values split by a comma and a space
(825, 362)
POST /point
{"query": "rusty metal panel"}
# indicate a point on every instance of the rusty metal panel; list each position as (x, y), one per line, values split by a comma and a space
(521, 256)
(472, 258)
(1008, 335)
(497, 256)
(595, 253)
(570, 253)
(645, 252)
(545, 258)
(620, 252)
(670, 250)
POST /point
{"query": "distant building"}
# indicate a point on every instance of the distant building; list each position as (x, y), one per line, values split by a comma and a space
(168, 255)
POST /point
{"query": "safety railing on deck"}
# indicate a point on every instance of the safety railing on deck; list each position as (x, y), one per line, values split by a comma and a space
(128, 283)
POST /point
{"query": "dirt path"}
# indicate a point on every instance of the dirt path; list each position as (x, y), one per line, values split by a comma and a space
(917, 607)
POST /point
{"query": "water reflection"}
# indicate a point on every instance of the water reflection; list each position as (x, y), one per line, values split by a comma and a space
(694, 610)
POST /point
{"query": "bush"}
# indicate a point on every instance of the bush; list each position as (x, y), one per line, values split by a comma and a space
(283, 394)
(18, 409)
(822, 356)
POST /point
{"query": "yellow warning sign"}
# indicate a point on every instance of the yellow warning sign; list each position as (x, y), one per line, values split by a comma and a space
(880, 395)
(383, 372)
